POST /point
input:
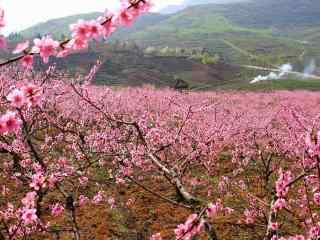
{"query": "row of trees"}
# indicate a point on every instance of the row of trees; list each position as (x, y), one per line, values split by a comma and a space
(64, 146)
(199, 54)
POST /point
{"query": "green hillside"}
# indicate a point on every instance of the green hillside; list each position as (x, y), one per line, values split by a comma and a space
(259, 16)
(247, 18)
(195, 23)
(251, 16)
(275, 13)
(59, 27)
(283, 84)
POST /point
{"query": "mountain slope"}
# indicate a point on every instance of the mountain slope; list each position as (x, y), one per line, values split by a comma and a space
(176, 8)
(244, 16)
(195, 23)
(199, 2)
(277, 13)
(268, 31)
(59, 27)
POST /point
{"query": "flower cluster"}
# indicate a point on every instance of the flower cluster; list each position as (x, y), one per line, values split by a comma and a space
(57, 209)
(316, 198)
(282, 183)
(250, 216)
(98, 198)
(84, 31)
(9, 123)
(46, 47)
(29, 95)
(279, 204)
(190, 228)
(315, 232)
(28, 212)
(38, 181)
(313, 144)
(27, 59)
(216, 208)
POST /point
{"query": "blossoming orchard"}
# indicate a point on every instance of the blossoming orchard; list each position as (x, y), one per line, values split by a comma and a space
(77, 160)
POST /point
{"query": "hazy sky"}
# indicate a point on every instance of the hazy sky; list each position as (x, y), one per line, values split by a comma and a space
(24, 13)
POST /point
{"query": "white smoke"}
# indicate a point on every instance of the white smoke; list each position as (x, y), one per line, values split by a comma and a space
(284, 70)
(310, 68)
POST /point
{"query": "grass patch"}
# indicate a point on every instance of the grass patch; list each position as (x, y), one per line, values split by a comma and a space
(284, 84)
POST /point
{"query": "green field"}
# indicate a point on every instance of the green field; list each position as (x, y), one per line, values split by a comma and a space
(283, 84)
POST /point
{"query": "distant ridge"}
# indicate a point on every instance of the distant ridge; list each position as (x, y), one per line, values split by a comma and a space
(176, 8)
(58, 26)
(255, 16)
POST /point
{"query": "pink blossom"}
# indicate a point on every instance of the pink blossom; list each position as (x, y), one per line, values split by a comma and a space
(213, 209)
(282, 183)
(140, 8)
(108, 26)
(279, 204)
(80, 30)
(33, 94)
(274, 226)
(29, 200)
(124, 17)
(46, 46)
(30, 90)
(53, 179)
(316, 198)
(27, 61)
(144, 6)
(34, 100)
(9, 122)
(111, 202)
(83, 180)
(57, 210)
(228, 210)
(98, 198)
(83, 200)
(21, 47)
(313, 147)
(77, 43)
(250, 216)
(17, 98)
(3, 128)
(38, 181)
(315, 232)
(94, 30)
(29, 215)
(189, 229)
